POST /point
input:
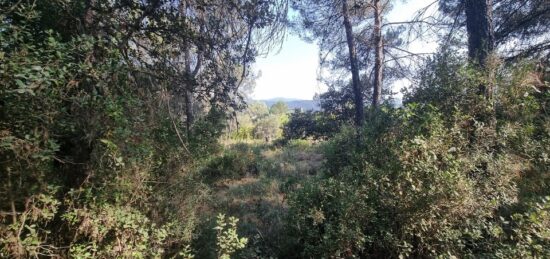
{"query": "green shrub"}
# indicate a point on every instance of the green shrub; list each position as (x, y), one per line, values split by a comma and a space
(431, 182)
(309, 124)
(234, 163)
(87, 149)
(227, 239)
(326, 219)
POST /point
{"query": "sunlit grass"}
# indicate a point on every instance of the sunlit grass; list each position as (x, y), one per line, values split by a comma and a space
(259, 197)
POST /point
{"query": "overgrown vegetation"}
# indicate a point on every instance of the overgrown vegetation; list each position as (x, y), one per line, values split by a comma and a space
(124, 133)
(434, 184)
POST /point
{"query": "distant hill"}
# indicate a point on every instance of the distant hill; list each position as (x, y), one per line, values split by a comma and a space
(312, 104)
(294, 103)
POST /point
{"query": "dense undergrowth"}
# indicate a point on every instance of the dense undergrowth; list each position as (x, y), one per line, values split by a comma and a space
(96, 163)
(432, 179)
(93, 162)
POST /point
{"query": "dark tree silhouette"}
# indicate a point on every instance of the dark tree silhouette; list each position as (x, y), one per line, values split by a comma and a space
(479, 23)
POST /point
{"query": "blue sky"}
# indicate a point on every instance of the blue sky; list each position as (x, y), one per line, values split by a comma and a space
(292, 72)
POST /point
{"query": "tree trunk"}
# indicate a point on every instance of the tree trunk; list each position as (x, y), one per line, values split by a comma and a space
(89, 14)
(189, 111)
(479, 23)
(379, 55)
(481, 42)
(188, 95)
(190, 76)
(357, 89)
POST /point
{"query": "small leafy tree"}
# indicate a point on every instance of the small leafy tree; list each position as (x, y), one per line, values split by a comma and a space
(227, 239)
(279, 108)
(268, 128)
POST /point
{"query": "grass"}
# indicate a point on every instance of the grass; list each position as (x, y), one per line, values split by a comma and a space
(258, 195)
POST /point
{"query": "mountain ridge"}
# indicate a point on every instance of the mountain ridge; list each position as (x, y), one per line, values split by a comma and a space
(293, 103)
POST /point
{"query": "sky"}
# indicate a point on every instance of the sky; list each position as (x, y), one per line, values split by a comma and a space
(292, 72)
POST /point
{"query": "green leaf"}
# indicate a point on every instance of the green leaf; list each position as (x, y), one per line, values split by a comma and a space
(20, 83)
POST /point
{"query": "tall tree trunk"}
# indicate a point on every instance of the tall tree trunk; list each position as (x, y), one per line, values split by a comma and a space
(481, 43)
(189, 111)
(357, 89)
(89, 14)
(479, 23)
(379, 55)
(188, 95)
(190, 76)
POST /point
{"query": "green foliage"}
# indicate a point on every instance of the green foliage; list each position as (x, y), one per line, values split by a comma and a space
(186, 253)
(257, 122)
(524, 234)
(258, 197)
(110, 231)
(268, 128)
(326, 217)
(438, 80)
(434, 182)
(100, 159)
(310, 124)
(338, 103)
(279, 108)
(96, 162)
(25, 235)
(204, 131)
(227, 239)
(257, 110)
(232, 164)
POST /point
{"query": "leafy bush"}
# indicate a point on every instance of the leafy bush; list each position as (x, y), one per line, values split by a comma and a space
(228, 241)
(87, 147)
(234, 163)
(309, 124)
(428, 182)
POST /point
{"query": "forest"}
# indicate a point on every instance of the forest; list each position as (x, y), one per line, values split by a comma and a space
(127, 130)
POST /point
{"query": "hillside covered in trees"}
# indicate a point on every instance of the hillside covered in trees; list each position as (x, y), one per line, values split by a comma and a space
(125, 131)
